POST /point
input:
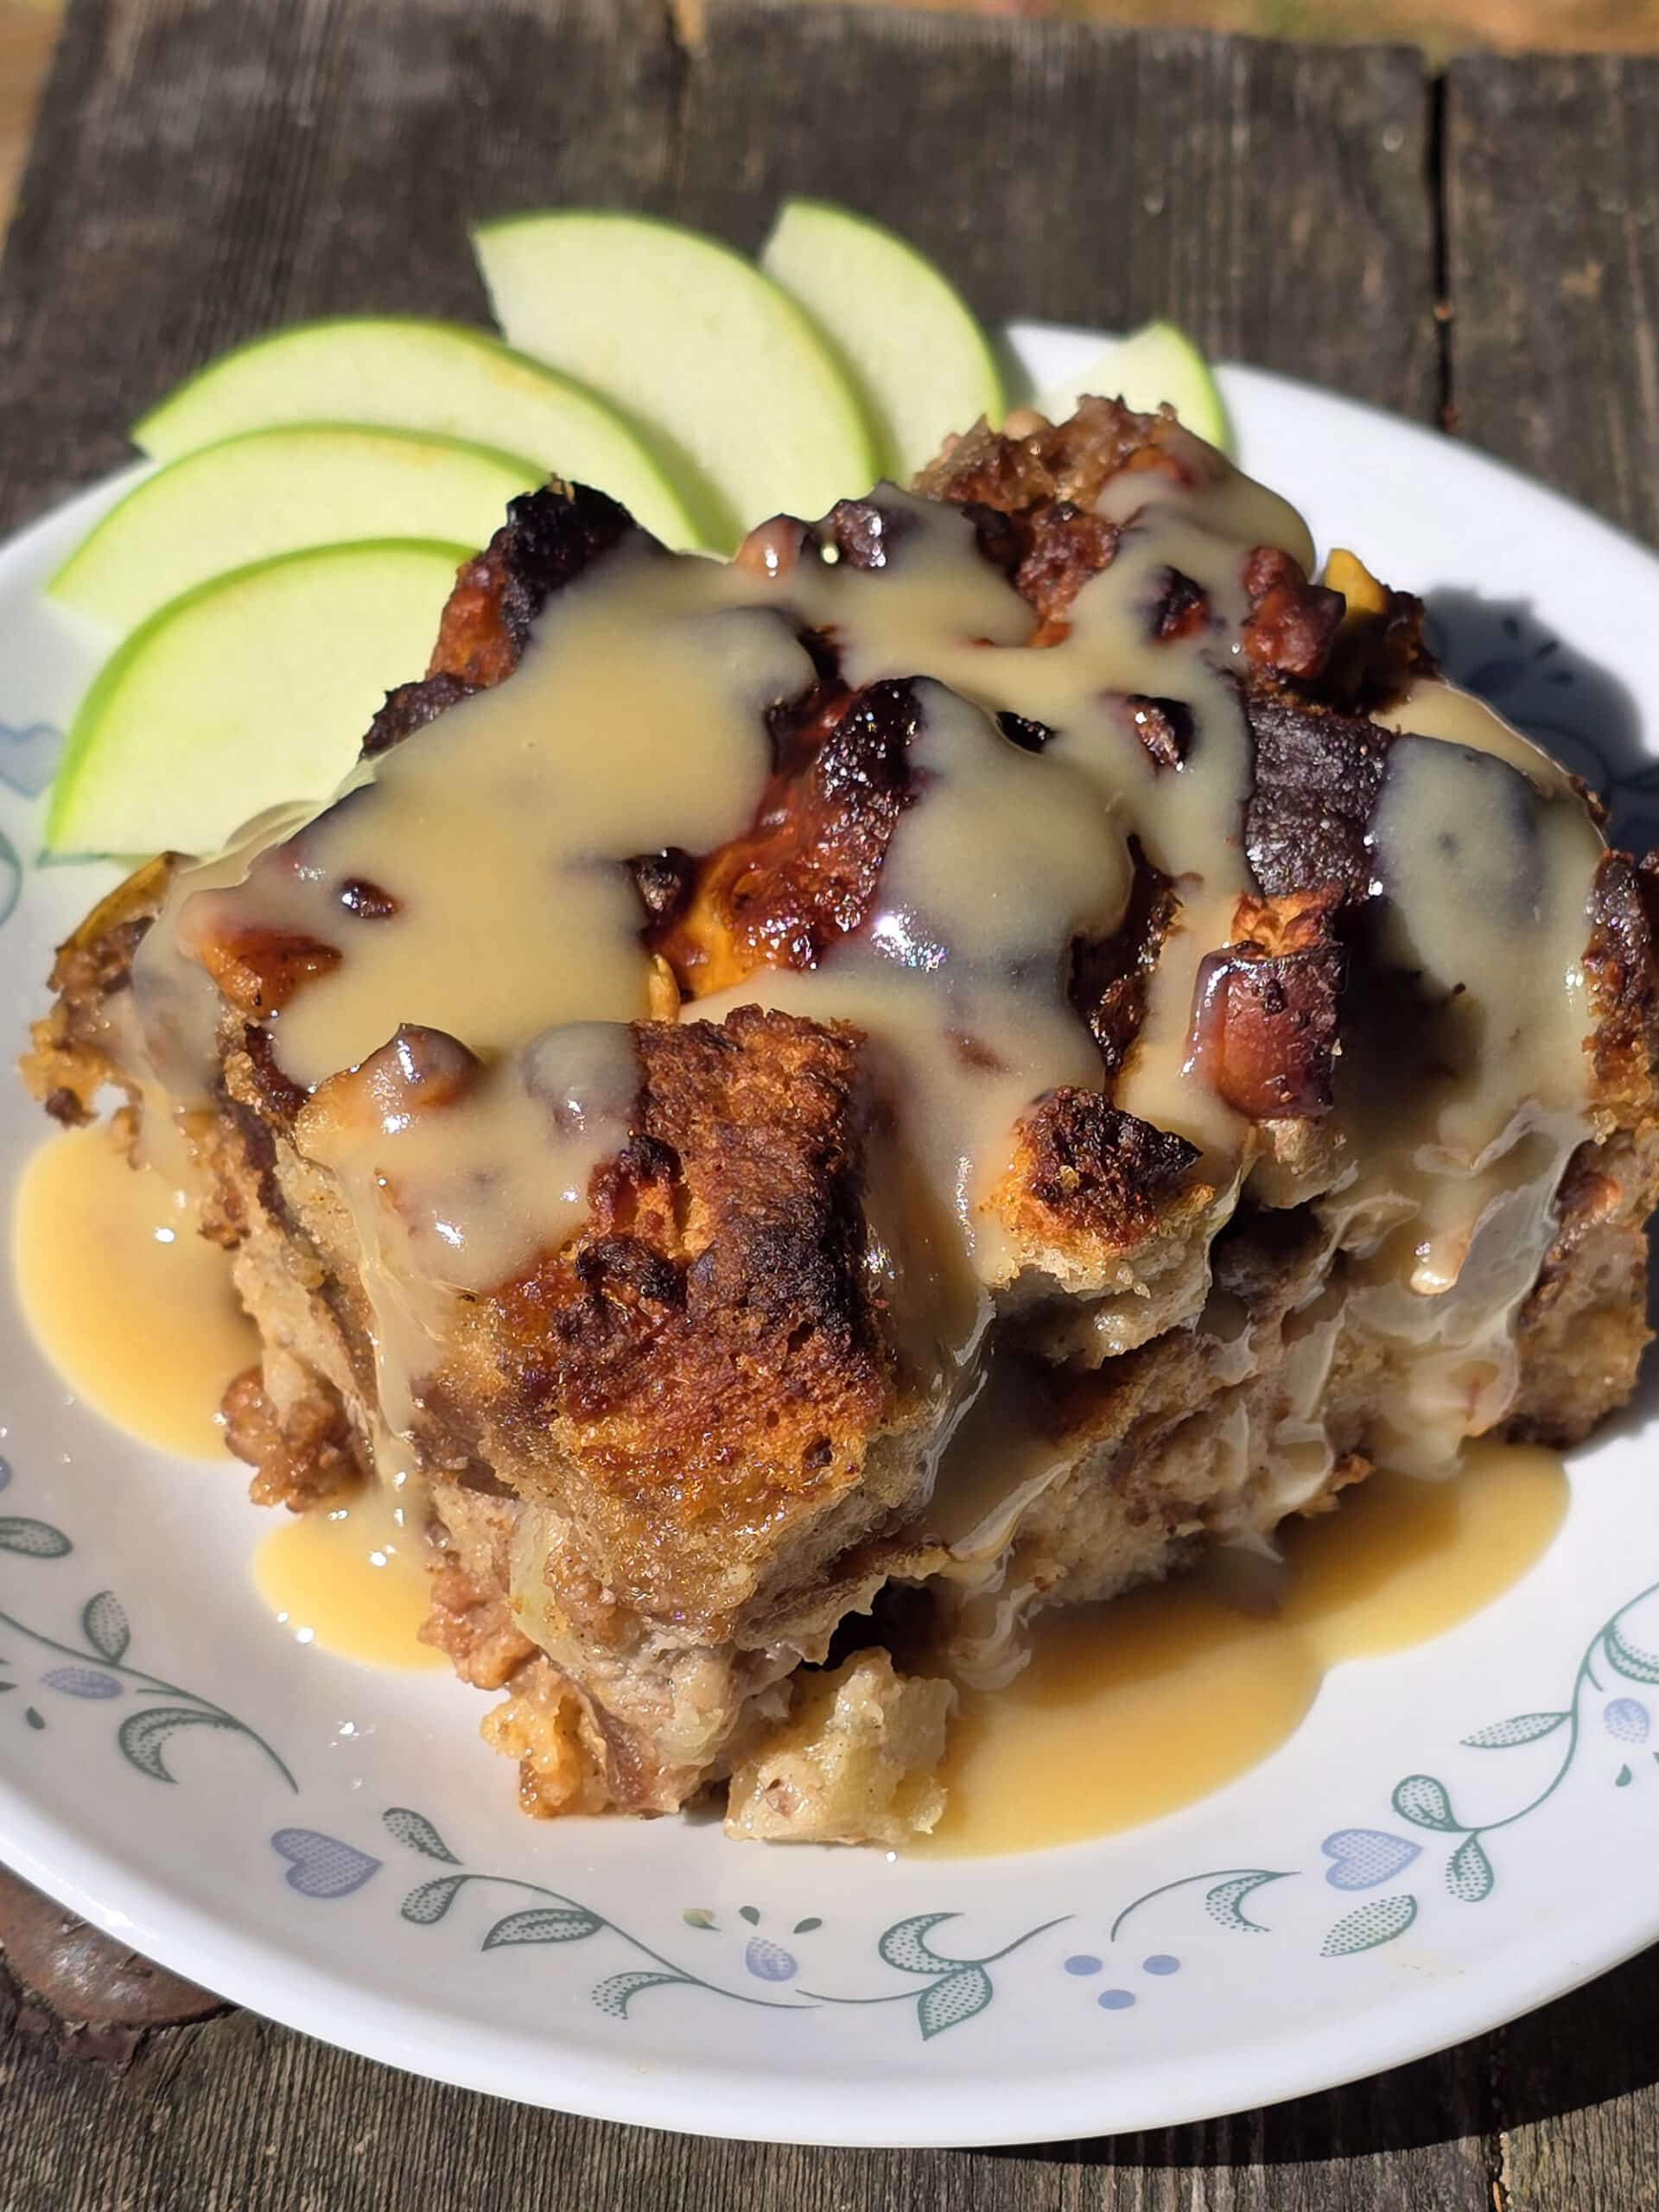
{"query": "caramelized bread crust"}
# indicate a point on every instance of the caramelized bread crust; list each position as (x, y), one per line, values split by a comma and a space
(672, 1459)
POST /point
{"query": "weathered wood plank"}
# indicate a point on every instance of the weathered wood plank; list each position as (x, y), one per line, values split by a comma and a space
(202, 171)
(1552, 196)
(1581, 2111)
(1272, 198)
(236, 2113)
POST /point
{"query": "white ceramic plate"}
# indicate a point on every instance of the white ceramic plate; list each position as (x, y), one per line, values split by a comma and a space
(337, 1849)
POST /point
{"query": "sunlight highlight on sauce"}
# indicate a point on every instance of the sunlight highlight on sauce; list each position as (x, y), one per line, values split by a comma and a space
(351, 1581)
(131, 1305)
(1131, 1710)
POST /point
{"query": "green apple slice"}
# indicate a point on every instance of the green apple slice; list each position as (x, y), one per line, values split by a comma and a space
(918, 358)
(252, 691)
(405, 373)
(717, 364)
(270, 492)
(1156, 362)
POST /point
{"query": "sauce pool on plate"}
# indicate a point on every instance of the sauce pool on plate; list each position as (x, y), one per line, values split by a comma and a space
(1126, 1712)
(351, 1580)
(1131, 1710)
(130, 1304)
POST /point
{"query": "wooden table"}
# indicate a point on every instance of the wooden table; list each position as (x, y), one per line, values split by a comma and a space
(1480, 250)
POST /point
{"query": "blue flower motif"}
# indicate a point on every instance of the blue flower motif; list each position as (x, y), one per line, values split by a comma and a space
(321, 1865)
(81, 1682)
(769, 1961)
(1361, 1857)
(28, 756)
(1625, 1719)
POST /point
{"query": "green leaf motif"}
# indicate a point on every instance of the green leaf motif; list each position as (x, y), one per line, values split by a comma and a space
(905, 1944)
(697, 1915)
(429, 1902)
(1379, 1921)
(1632, 1660)
(748, 1912)
(104, 1625)
(1224, 1904)
(32, 1539)
(1423, 1800)
(417, 1834)
(615, 1995)
(540, 1923)
(1520, 1728)
(143, 1736)
(1469, 1873)
(806, 1927)
(954, 1998)
(1622, 1780)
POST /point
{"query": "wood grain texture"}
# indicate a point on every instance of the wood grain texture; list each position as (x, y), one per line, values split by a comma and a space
(1556, 2114)
(1552, 200)
(1272, 198)
(204, 169)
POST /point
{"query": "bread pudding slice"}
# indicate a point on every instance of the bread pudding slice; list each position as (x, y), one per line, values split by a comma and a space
(821, 1104)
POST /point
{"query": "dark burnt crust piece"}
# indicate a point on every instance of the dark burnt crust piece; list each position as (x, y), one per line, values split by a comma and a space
(1318, 775)
(550, 536)
(1085, 1169)
(1620, 964)
(709, 1352)
(1110, 976)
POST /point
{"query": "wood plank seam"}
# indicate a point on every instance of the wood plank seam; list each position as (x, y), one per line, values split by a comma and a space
(1446, 410)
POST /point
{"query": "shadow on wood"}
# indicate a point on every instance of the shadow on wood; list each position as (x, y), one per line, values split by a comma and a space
(1600, 2043)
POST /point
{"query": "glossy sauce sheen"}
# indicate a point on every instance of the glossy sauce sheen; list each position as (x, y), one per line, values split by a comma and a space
(499, 836)
(351, 1580)
(133, 1307)
(1131, 1710)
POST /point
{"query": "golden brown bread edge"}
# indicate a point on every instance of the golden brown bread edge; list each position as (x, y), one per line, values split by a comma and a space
(721, 1274)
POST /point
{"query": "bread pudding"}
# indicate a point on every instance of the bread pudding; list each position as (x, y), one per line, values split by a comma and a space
(1001, 1042)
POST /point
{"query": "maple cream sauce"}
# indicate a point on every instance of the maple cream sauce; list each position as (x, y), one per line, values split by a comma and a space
(502, 915)
(352, 1579)
(131, 1305)
(1131, 1710)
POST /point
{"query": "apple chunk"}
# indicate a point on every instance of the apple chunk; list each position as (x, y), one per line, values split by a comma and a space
(713, 360)
(270, 492)
(1156, 364)
(919, 360)
(402, 373)
(252, 691)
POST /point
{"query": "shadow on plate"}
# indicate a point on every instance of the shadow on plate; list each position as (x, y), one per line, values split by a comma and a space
(1499, 650)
